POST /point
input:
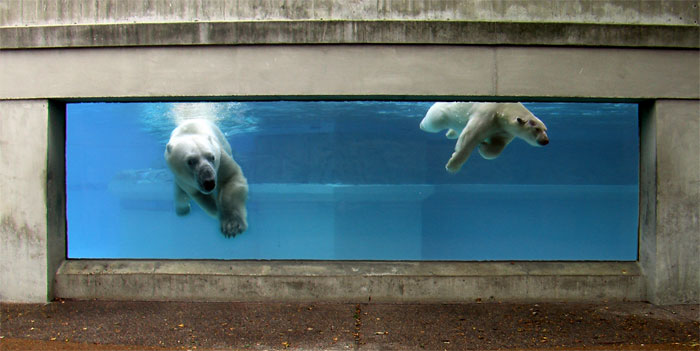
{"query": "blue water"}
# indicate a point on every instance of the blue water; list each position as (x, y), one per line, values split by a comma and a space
(357, 180)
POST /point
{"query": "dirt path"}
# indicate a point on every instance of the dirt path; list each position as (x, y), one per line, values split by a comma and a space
(107, 325)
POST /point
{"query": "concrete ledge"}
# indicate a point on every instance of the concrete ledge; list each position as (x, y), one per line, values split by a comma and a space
(349, 32)
(348, 281)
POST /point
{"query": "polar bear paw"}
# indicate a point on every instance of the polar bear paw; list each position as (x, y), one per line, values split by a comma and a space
(452, 168)
(233, 225)
(182, 210)
(453, 165)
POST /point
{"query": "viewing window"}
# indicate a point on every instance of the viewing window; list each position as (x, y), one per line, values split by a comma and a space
(356, 180)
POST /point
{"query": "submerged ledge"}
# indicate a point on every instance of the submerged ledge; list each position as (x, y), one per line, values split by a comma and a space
(160, 188)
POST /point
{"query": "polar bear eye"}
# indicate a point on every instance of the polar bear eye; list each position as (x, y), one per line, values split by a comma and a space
(520, 120)
(209, 157)
(192, 161)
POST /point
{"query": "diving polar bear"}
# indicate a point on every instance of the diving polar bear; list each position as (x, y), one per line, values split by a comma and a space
(489, 125)
(200, 159)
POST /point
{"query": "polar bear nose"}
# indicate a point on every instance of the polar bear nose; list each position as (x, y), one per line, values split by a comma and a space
(543, 142)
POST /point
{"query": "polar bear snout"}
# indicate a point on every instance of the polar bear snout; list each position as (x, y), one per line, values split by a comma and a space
(424, 126)
(543, 140)
(206, 179)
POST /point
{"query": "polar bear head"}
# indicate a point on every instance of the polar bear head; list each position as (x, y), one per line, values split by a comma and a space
(194, 160)
(436, 119)
(523, 124)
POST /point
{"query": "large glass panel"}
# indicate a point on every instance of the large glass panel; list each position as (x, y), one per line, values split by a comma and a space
(356, 180)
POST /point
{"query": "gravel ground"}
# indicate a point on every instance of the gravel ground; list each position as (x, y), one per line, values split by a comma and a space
(112, 325)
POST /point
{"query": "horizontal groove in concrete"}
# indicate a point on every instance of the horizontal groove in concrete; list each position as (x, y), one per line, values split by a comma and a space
(350, 32)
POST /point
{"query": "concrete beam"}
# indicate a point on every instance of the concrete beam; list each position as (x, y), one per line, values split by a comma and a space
(348, 70)
(56, 12)
(538, 71)
(349, 281)
(349, 32)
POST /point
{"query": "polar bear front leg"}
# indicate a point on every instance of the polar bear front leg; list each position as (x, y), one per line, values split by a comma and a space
(232, 210)
(182, 201)
(468, 140)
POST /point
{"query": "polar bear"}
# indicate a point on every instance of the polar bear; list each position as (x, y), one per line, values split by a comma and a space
(488, 125)
(200, 159)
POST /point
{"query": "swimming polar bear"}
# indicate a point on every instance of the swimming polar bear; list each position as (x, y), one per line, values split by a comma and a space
(489, 125)
(200, 158)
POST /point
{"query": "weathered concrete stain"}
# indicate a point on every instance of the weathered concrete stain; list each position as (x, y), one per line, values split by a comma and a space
(21, 249)
(349, 32)
(23, 233)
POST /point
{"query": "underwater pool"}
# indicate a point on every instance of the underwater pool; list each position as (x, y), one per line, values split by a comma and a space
(356, 180)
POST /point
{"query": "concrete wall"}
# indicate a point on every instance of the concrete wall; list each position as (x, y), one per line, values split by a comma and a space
(102, 23)
(670, 239)
(56, 12)
(32, 210)
(647, 52)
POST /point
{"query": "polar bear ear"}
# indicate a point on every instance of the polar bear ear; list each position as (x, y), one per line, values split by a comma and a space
(168, 148)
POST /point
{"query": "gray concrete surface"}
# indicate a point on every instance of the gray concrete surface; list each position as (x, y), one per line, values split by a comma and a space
(356, 282)
(349, 70)
(33, 82)
(71, 23)
(55, 192)
(674, 258)
(52, 12)
(23, 209)
(349, 32)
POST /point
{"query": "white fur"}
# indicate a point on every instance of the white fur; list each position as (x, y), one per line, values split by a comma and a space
(490, 126)
(199, 156)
